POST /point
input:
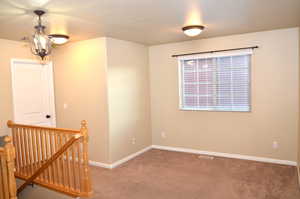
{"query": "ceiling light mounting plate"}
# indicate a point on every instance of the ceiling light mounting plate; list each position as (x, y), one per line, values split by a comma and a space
(39, 12)
(59, 35)
(192, 27)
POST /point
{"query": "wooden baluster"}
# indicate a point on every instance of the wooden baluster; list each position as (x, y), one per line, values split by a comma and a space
(63, 161)
(69, 173)
(47, 155)
(19, 149)
(31, 134)
(58, 162)
(42, 136)
(24, 154)
(10, 158)
(33, 149)
(47, 173)
(20, 152)
(33, 144)
(61, 167)
(66, 161)
(75, 171)
(79, 163)
(53, 166)
(65, 164)
(86, 176)
(38, 143)
(38, 150)
(78, 151)
(14, 134)
(30, 158)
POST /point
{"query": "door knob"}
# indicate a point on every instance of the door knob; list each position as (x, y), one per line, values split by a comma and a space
(48, 116)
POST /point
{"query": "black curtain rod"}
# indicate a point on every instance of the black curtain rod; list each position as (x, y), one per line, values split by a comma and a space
(215, 51)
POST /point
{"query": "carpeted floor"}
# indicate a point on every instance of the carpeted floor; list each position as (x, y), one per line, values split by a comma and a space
(160, 174)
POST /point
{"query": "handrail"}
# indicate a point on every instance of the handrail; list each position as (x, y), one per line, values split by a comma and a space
(49, 162)
(11, 124)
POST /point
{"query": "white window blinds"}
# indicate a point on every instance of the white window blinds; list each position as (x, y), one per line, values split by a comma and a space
(215, 81)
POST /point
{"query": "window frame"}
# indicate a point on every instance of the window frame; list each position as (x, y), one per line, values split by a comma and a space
(248, 52)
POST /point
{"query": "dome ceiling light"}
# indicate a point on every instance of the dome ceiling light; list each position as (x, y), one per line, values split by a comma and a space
(59, 39)
(193, 30)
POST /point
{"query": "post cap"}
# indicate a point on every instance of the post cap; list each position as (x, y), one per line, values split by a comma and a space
(84, 124)
(8, 139)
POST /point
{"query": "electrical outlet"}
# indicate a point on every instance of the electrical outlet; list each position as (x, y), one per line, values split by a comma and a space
(133, 140)
(163, 134)
(275, 144)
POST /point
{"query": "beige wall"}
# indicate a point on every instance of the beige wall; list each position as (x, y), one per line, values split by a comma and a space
(80, 70)
(9, 50)
(129, 101)
(275, 100)
(105, 81)
(80, 82)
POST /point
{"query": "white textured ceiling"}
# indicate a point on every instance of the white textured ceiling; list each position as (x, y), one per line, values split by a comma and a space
(147, 21)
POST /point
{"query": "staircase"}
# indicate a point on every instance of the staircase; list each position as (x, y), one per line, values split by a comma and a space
(54, 158)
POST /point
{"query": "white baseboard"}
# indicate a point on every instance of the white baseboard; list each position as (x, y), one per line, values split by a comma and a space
(100, 164)
(185, 150)
(227, 155)
(119, 162)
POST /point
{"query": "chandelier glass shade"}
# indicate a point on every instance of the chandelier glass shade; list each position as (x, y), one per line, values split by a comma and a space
(41, 44)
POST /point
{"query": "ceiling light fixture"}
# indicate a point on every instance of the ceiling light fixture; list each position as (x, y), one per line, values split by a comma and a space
(59, 39)
(40, 42)
(193, 30)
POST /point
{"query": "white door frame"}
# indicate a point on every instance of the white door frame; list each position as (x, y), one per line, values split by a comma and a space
(51, 87)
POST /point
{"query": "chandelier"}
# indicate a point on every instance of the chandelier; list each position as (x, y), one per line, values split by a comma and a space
(41, 44)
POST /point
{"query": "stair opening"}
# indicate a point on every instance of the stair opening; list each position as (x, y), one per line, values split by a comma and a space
(54, 158)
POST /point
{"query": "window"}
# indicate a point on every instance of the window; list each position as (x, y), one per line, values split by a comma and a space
(215, 81)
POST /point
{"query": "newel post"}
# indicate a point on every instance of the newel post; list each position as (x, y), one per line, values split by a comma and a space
(10, 123)
(10, 159)
(86, 176)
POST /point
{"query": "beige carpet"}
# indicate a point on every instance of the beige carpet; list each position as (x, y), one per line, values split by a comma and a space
(160, 174)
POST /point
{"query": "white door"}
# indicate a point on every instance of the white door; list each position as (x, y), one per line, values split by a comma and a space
(33, 93)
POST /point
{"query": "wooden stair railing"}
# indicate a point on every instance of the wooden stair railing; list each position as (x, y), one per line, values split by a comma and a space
(53, 157)
(7, 169)
(48, 163)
